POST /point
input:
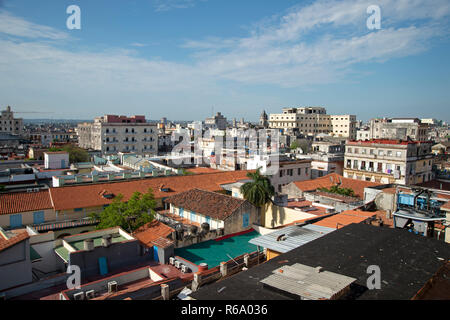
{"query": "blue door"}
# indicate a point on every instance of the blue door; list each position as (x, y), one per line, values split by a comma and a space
(15, 220)
(245, 220)
(155, 254)
(38, 217)
(63, 163)
(208, 220)
(181, 212)
(193, 216)
(103, 266)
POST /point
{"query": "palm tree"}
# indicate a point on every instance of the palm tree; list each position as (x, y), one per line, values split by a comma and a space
(259, 191)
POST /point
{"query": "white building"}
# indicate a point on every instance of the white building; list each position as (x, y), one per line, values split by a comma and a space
(281, 171)
(389, 161)
(216, 122)
(112, 134)
(314, 120)
(56, 160)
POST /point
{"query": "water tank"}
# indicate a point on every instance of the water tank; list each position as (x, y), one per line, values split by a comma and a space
(88, 244)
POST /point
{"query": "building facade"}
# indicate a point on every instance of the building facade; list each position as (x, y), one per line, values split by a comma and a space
(216, 122)
(398, 128)
(9, 124)
(112, 134)
(314, 120)
(389, 161)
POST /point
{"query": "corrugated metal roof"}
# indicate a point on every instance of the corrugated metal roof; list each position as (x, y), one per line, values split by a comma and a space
(306, 282)
(291, 237)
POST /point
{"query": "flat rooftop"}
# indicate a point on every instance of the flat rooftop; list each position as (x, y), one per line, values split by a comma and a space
(406, 261)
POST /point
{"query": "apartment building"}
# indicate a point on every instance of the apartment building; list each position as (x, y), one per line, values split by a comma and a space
(112, 134)
(389, 161)
(398, 128)
(314, 120)
(9, 124)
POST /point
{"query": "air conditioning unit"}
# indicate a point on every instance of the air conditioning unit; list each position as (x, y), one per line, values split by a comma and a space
(90, 294)
(112, 286)
(78, 296)
(177, 264)
(184, 269)
(172, 260)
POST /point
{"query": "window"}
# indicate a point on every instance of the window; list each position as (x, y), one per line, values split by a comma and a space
(299, 171)
(399, 154)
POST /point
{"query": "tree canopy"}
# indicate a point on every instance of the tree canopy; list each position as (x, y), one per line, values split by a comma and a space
(129, 215)
(337, 190)
(76, 154)
(259, 191)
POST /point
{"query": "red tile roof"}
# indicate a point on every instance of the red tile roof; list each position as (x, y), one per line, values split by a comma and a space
(83, 196)
(384, 141)
(332, 179)
(152, 231)
(211, 204)
(345, 218)
(162, 242)
(6, 243)
(24, 201)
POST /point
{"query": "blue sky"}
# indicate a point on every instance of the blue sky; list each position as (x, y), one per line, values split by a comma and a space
(184, 58)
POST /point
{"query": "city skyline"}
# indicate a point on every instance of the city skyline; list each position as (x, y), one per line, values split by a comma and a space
(180, 59)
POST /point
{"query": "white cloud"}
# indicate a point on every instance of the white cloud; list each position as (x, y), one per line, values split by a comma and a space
(16, 26)
(167, 5)
(315, 44)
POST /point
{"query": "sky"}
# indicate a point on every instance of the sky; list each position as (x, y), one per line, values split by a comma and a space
(185, 59)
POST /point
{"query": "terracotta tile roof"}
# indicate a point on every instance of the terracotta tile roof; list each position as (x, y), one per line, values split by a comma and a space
(178, 219)
(83, 196)
(385, 141)
(332, 179)
(446, 206)
(345, 218)
(24, 201)
(203, 170)
(211, 204)
(152, 231)
(7, 243)
(162, 243)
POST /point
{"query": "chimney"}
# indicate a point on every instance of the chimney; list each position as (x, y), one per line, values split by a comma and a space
(88, 244)
(106, 240)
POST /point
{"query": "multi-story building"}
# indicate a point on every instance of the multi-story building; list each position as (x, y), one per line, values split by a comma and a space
(398, 128)
(314, 120)
(112, 134)
(9, 124)
(389, 161)
(288, 170)
(216, 122)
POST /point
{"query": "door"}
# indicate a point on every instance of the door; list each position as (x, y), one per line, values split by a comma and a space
(63, 163)
(38, 217)
(155, 254)
(181, 212)
(15, 220)
(103, 266)
(245, 220)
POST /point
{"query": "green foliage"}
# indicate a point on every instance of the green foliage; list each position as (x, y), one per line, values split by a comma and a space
(259, 191)
(337, 190)
(2, 187)
(295, 145)
(129, 215)
(76, 154)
